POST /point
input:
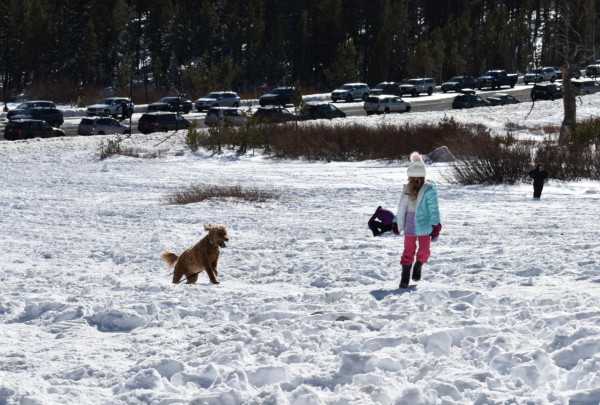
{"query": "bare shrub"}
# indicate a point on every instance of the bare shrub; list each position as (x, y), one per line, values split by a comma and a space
(493, 162)
(573, 162)
(587, 132)
(113, 147)
(321, 141)
(547, 129)
(198, 193)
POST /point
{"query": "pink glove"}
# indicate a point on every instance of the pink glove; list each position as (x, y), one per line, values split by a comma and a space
(435, 233)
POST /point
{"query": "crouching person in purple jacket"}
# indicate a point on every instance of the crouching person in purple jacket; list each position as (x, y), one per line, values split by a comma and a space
(418, 218)
(381, 221)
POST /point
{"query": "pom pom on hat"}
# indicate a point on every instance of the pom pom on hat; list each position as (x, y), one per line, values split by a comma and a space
(416, 168)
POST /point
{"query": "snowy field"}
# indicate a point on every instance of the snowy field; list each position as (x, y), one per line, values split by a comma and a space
(308, 310)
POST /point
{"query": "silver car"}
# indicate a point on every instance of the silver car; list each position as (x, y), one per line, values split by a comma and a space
(225, 115)
(385, 104)
(218, 99)
(351, 91)
(110, 106)
(101, 126)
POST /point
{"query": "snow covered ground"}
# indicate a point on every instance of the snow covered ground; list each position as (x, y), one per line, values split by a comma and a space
(308, 310)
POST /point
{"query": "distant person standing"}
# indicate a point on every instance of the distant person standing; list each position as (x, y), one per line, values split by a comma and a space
(123, 110)
(539, 176)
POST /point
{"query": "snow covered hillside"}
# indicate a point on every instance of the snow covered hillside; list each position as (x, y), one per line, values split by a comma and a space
(308, 310)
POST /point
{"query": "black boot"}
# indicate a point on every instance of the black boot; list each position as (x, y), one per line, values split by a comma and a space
(416, 275)
(405, 276)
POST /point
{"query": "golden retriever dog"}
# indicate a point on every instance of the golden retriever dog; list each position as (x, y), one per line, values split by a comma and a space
(204, 255)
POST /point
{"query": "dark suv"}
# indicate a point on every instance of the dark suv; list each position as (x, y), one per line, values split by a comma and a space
(29, 104)
(52, 116)
(25, 129)
(161, 122)
(546, 91)
(323, 110)
(469, 100)
(171, 104)
(392, 88)
(274, 114)
(457, 83)
(278, 96)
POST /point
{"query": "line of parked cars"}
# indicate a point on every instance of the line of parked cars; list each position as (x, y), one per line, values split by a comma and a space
(223, 106)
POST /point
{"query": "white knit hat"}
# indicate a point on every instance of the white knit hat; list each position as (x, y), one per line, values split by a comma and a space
(416, 168)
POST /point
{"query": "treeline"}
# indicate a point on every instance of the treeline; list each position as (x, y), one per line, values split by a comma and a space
(194, 46)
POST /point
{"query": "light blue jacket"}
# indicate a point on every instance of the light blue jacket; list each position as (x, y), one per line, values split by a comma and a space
(427, 213)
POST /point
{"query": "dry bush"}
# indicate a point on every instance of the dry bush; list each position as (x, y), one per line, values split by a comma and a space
(574, 162)
(535, 129)
(198, 193)
(492, 162)
(321, 141)
(113, 147)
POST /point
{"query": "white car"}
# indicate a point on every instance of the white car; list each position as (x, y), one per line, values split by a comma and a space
(218, 99)
(225, 115)
(351, 91)
(385, 104)
(414, 87)
(110, 106)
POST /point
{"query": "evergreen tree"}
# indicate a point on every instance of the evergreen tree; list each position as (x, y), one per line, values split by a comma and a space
(343, 69)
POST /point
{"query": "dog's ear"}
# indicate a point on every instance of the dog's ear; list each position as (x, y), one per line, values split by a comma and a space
(208, 227)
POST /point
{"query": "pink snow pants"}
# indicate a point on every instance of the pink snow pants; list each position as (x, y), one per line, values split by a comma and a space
(410, 247)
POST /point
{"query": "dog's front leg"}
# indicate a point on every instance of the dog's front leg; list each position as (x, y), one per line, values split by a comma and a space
(212, 274)
(216, 270)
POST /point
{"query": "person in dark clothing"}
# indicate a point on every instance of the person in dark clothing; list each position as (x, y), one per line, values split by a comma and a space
(123, 110)
(381, 221)
(539, 175)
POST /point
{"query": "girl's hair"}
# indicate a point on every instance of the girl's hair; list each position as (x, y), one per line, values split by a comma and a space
(413, 186)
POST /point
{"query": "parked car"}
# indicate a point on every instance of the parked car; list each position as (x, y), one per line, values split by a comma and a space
(457, 83)
(593, 69)
(172, 104)
(496, 79)
(469, 100)
(218, 99)
(350, 92)
(29, 104)
(274, 114)
(385, 104)
(546, 74)
(101, 126)
(502, 99)
(278, 96)
(26, 128)
(573, 72)
(414, 87)
(225, 115)
(110, 106)
(386, 88)
(52, 116)
(546, 91)
(161, 121)
(586, 86)
(322, 110)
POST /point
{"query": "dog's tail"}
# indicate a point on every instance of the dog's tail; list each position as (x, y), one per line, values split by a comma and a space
(170, 258)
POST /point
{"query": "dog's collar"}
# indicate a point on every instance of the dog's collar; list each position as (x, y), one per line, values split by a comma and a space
(210, 242)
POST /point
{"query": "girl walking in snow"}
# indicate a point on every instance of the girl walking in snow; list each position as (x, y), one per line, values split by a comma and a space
(418, 218)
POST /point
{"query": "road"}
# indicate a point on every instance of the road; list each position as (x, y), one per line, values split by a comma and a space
(437, 102)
